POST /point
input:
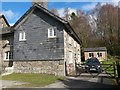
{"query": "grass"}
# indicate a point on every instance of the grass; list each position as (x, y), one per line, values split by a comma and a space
(0, 77)
(36, 80)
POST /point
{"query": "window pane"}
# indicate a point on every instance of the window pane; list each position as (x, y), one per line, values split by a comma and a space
(55, 30)
(7, 55)
(100, 54)
(11, 55)
(20, 36)
(91, 55)
(24, 36)
(51, 32)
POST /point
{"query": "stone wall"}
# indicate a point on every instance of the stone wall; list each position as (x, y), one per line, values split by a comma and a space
(55, 67)
(6, 47)
(72, 53)
(2, 23)
(1, 52)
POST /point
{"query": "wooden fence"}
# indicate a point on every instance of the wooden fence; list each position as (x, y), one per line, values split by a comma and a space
(118, 71)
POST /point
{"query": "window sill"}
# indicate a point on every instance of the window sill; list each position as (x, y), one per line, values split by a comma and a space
(52, 37)
(7, 59)
(22, 40)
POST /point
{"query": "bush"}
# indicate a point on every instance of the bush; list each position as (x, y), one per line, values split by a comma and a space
(109, 56)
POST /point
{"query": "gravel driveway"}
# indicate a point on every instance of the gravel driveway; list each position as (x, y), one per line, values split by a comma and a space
(11, 84)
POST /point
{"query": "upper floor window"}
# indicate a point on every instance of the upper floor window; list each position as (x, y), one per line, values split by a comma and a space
(52, 32)
(22, 36)
(91, 55)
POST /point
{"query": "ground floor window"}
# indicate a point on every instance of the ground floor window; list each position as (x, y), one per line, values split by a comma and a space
(8, 55)
(99, 54)
(91, 55)
(70, 57)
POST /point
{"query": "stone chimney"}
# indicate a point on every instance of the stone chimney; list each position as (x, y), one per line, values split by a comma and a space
(41, 2)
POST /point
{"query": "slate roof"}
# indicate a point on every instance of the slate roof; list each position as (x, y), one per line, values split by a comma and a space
(95, 49)
(66, 23)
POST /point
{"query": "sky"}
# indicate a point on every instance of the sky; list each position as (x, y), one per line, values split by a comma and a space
(13, 10)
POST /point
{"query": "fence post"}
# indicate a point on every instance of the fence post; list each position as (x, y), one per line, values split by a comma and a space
(118, 71)
(114, 69)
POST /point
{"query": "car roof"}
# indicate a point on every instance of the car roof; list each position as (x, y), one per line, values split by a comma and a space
(93, 59)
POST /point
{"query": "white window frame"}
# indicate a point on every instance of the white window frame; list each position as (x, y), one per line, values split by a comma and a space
(22, 36)
(92, 55)
(7, 55)
(70, 57)
(75, 44)
(52, 32)
(99, 54)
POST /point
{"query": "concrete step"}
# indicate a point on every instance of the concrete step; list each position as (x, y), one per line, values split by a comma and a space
(8, 70)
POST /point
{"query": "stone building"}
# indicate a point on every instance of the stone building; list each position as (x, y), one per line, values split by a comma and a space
(44, 43)
(6, 43)
(3, 22)
(98, 52)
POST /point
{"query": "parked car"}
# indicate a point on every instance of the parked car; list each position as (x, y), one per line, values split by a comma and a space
(93, 64)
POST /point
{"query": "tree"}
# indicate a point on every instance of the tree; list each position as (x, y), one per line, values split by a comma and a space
(54, 11)
(81, 26)
(108, 27)
(66, 14)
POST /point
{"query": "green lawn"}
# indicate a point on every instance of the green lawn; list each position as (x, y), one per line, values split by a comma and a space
(34, 79)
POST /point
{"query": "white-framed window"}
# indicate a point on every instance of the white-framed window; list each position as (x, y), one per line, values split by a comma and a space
(99, 54)
(8, 55)
(91, 55)
(22, 36)
(70, 57)
(52, 32)
(75, 44)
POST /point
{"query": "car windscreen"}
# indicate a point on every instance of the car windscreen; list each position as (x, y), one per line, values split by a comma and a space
(92, 61)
